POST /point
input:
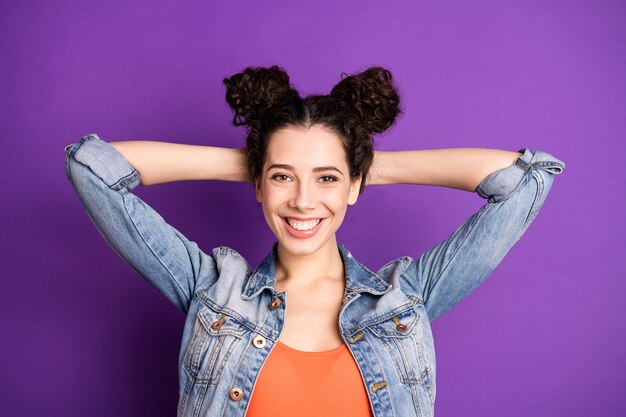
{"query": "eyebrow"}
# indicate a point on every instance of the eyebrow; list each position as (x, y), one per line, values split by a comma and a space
(316, 169)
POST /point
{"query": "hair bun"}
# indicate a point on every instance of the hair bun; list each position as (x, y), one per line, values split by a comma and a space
(252, 92)
(372, 96)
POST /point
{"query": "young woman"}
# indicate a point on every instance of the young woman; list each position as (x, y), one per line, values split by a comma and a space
(310, 330)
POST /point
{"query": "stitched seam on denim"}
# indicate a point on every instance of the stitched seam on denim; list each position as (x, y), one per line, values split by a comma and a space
(523, 165)
(405, 263)
(243, 355)
(80, 144)
(538, 195)
(221, 309)
(123, 194)
(219, 368)
(200, 400)
(404, 362)
(393, 357)
(376, 277)
(238, 333)
(415, 397)
(185, 396)
(396, 333)
(519, 163)
(383, 317)
(548, 164)
(122, 182)
(481, 193)
(195, 345)
(423, 365)
(212, 362)
(479, 215)
(369, 398)
(125, 180)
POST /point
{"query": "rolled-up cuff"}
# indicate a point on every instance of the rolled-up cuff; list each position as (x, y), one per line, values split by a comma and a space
(104, 161)
(499, 185)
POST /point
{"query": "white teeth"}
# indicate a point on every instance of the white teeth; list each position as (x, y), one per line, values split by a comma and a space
(308, 225)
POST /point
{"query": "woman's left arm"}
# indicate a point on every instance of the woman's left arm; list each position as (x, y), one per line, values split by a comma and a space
(515, 185)
(461, 168)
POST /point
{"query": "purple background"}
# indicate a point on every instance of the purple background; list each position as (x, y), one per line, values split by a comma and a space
(84, 335)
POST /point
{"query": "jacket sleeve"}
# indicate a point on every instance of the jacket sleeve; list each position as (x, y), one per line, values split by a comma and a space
(103, 179)
(448, 272)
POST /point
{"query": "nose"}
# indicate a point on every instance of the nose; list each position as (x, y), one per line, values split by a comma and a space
(303, 198)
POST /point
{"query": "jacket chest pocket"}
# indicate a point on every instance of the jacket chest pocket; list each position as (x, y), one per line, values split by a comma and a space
(215, 336)
(403, 340)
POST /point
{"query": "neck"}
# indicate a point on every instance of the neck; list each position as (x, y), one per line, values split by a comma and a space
(310, 269)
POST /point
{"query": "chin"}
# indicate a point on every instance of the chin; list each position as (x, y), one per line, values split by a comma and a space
(302, 248)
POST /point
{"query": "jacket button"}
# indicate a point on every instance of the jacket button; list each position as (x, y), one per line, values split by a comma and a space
(217, 324)
(275, 304)
(259, 341)
(401, 327)
(236, 394)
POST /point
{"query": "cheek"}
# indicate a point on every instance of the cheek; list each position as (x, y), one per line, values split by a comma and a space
(269, 216)
(338, 201)
(272, 200)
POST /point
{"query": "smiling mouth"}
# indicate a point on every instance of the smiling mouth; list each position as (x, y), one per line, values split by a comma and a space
(302, 225)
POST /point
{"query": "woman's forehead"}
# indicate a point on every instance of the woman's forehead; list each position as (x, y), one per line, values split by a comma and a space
(315, 146)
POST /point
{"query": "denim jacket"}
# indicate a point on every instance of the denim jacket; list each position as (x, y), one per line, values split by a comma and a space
(235, 315)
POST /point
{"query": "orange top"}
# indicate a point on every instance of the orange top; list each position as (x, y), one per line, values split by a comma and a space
(309, 384)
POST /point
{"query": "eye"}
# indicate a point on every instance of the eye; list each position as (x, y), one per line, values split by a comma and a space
(328, 178)
(280, 177)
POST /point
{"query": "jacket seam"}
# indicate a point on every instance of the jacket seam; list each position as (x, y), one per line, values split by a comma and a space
(231, 313)
(79, 145)
(525, 166)
(538, 196)
(378, 319)
(453, 257)
(125, 180)
(150, 248)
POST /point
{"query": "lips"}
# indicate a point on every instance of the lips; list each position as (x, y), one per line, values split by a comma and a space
(302, 234)
(303, 224)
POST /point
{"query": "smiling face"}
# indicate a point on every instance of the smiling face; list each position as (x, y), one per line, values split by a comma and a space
(305, 188)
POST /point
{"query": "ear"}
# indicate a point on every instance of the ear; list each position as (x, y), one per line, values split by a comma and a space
(354, 190)
(257, 190)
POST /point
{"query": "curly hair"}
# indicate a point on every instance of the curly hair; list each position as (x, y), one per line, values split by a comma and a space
(358, 106)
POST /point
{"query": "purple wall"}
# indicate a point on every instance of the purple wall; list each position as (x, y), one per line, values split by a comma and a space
(84, 335)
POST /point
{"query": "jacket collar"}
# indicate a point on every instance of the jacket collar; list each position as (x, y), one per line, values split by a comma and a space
(358, 277)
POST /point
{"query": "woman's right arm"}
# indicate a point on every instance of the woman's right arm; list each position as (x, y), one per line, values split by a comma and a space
(103, 175)
(159, 162)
